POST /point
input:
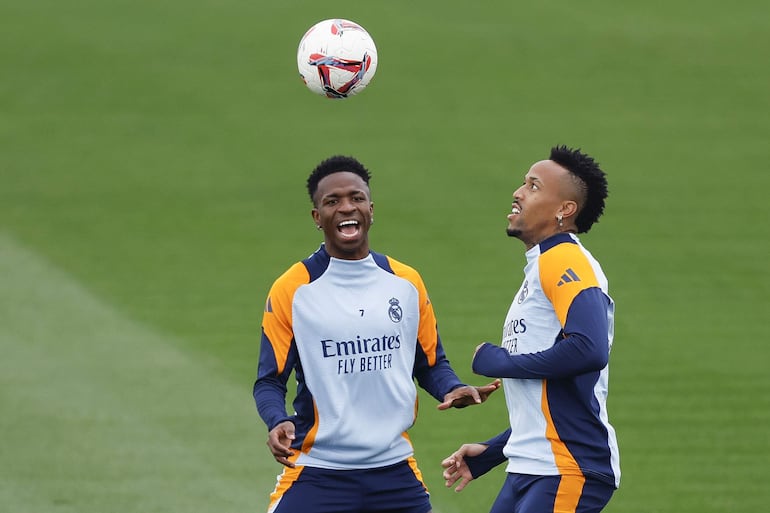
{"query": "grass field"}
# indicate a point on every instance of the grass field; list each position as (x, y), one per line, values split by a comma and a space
(152, 166)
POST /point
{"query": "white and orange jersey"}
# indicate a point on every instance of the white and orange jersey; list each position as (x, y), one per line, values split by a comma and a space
(554, 360)
(356, 333)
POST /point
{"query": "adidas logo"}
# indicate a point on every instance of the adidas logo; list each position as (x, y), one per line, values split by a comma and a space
(568, 277)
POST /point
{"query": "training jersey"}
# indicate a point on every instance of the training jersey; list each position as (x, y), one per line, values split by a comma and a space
(554, 360)
(357, 333)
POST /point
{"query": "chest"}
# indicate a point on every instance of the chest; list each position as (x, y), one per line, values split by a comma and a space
(382, 307)
(531, 324)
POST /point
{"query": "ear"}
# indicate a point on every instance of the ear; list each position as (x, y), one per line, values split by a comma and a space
(568, 209)
(316, 216)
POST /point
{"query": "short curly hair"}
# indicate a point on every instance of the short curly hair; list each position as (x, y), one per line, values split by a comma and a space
(592, 182)
(335, 164)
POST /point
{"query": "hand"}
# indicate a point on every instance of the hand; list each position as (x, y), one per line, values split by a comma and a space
(455, 467)
(279, 441)
(468, 395)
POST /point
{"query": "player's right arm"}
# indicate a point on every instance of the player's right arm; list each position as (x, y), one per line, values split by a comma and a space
(472, 461)
(278, 356)
(278, 351)
(270, 386)
(279, 442)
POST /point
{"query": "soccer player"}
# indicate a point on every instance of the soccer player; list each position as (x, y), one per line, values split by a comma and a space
(561, 450)
(357, 328)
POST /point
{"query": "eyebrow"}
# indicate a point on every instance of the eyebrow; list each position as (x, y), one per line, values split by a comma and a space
(335, 194)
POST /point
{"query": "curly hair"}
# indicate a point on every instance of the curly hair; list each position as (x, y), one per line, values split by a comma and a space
(591, 181)
(335, 164)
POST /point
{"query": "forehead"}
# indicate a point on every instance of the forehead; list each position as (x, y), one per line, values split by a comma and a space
(546, 172)
(341, 182)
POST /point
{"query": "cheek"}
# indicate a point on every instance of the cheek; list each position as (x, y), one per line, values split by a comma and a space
(538, 213)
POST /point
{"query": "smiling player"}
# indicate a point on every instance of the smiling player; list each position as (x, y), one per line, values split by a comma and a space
(357, 328)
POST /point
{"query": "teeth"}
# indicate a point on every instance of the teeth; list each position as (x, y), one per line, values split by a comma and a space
(348, 223)
(515, 210)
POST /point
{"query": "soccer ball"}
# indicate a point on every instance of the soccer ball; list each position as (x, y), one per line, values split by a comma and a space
(336, 58)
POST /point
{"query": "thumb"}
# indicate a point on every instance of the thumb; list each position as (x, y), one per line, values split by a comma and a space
(288, 430)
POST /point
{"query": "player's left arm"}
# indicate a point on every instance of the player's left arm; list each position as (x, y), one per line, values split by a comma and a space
(570, 283)
(582, 346)
(431, 367)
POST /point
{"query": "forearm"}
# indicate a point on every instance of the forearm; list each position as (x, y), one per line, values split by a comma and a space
(438, 379)
(491, 457)
(569, 357)
(270, 398)
(583, 348)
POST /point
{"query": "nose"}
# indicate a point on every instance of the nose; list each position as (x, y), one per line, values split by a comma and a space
(347, 205)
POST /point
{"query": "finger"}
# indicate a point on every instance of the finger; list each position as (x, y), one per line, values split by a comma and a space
(445, 405)
(451, 475)
(279, 450)
(463, 482)
(285, 462)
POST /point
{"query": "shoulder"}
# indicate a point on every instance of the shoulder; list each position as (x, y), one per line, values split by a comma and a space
(566, 256)
(397, 267)
(295, 275)
(403, 271)
(283, 288)
(566, 268)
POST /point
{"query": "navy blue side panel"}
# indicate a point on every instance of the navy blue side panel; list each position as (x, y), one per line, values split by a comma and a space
(575, 413)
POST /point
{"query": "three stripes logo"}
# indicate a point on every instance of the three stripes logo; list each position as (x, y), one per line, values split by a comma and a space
(568, 277)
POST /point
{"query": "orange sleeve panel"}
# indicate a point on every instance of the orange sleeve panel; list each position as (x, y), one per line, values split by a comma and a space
(427, 332)
(276, 320)
(564, 273)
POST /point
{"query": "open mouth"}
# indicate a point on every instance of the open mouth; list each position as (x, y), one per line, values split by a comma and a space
(349, 228)
(515, 210)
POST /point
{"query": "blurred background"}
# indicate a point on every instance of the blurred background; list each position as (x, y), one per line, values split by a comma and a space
(153, 158)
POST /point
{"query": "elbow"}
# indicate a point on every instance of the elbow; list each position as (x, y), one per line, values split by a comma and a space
(491, 361)
(599, 357)
(599, 361)
(594, 355)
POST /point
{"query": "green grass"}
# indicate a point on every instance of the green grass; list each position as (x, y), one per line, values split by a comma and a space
(152, 166)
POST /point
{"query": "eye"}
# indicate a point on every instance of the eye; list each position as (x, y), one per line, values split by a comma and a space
(534, 186)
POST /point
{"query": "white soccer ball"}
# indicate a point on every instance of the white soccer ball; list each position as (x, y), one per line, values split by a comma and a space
(336, 58)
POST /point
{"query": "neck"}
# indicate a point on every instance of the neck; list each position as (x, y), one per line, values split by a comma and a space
(531, 245)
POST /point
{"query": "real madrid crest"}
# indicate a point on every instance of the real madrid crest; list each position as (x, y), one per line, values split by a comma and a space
(524, 292)
(394, 312)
